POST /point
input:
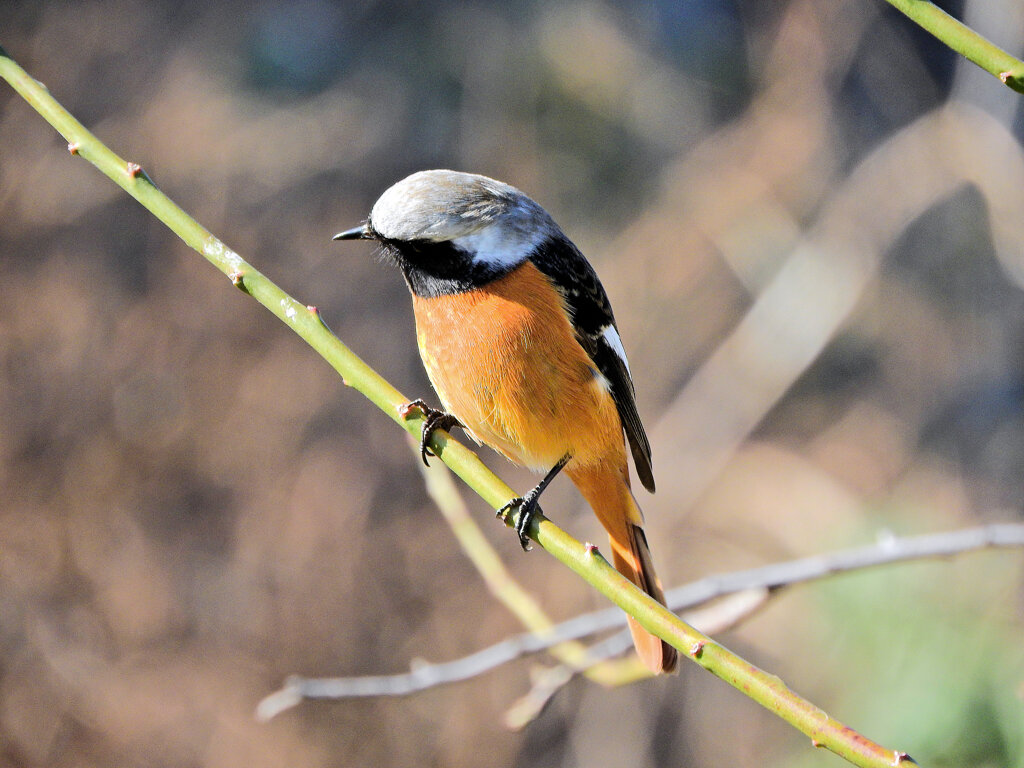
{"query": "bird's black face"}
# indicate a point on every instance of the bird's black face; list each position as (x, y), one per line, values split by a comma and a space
(431, 268)
(434, 269)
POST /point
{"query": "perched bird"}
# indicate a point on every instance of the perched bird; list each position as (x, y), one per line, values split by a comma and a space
(518, 338)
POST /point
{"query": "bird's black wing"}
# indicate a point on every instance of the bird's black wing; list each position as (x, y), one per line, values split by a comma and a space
(592, 317)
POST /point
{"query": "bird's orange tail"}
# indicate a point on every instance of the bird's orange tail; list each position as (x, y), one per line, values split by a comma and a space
(609, 496)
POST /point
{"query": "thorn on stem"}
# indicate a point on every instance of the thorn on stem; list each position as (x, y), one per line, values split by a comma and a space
(315, 311)
(414, 405)
(73, 147)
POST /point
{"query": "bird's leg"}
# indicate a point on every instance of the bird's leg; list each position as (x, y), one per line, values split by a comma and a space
(433, 420)
(528, 504)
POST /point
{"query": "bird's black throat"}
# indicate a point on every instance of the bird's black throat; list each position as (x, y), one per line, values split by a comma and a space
(434, 269)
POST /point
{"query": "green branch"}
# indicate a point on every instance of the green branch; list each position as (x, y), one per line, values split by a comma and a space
(964, 41)
(766, 689)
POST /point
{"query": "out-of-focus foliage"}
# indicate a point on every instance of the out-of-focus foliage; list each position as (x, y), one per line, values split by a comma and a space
(806, 215)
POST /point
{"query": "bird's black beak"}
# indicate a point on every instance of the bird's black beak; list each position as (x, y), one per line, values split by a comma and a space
(362, 232)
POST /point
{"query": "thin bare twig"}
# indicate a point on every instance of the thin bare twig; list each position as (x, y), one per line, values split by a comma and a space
(887, 550)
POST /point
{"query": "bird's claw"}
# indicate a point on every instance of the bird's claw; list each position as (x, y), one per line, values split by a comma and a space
(527, 507)
(433, 420)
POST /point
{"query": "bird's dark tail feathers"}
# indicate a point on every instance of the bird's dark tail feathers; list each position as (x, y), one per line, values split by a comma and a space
(612, 501)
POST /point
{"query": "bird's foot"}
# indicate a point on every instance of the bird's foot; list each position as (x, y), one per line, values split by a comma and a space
(527, 507)
(433, 420)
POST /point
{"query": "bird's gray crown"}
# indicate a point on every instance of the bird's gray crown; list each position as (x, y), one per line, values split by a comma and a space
(492, 220)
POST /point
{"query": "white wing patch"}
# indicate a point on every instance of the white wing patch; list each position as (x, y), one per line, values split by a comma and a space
(498, 246)
(611, 338)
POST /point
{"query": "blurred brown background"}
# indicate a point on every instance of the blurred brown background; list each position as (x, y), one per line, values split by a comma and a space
(808, 218)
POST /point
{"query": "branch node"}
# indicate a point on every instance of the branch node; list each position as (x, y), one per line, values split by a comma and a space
(73, 147)
(1013, 80)
(134, 170)
(238, 280)
(697, 649)
(901, 757)
(591, 549)
(289, 696)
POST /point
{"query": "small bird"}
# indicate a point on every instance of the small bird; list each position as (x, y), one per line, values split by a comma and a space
(519, 341)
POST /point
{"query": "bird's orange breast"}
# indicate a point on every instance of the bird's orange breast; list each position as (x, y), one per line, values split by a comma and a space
(504, 360)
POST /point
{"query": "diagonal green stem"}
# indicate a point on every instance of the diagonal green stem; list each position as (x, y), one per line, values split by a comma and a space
(964, 41)
(766, 689)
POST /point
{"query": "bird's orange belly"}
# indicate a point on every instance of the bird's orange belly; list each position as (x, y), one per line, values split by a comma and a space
(504, 360)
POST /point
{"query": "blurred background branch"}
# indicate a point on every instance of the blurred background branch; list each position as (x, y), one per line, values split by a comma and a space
(821, 280)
